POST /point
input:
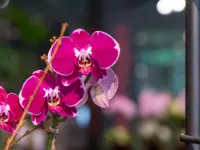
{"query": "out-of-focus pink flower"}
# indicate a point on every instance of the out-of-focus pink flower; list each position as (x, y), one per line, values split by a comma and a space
(181, 97)
(123, 105)
(102, 90)
(52, 96)
(10, 110)
(153, 103)
(82, 54)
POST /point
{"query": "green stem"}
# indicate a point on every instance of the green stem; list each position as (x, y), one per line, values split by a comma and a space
(52, 134)
(87, 78)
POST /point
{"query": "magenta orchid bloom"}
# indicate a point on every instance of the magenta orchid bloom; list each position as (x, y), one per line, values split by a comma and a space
(52, 96)
(103, 90)
(82, 54)
(10, 111)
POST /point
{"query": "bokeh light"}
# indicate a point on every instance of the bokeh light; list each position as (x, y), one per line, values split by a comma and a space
(84, 117)
(166, 7)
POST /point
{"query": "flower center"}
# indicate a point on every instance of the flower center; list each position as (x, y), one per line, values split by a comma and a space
(84, 61)
(3, 118)
(4, 112)
(85, 64)
(52, 96)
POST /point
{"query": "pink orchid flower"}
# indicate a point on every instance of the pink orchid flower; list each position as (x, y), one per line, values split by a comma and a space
(103, 90)
(181, 98)
(52, 96)
(82, 54)
(10, 111)
(121, 104)
(153, 103)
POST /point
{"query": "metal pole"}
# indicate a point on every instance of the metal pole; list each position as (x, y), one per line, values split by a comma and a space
(96, 124)
(192, 71)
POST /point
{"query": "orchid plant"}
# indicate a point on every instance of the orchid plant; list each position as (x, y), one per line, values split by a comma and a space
(78, 67)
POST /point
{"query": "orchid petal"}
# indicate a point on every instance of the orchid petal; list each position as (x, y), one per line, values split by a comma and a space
(92, 80)
(70, 111)
(104, 90)
(85, 98)
(80, 39)
(99, 96)
(73, 94)
(68, 80)
(98, 72)
(27, 91)
(3, 94)
(7, 127)
(39, 119)
(48, 78)
(64, 60)
(15, 108)
(104, 49)
(109, 83)
(64, 110)
(83, 102)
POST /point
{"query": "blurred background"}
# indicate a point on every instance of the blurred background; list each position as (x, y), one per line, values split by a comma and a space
(147, 112)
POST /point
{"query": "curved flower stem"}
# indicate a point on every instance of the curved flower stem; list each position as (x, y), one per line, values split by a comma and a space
(52, 135)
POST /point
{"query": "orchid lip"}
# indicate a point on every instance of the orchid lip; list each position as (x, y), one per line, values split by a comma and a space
(84, 59)
(52, 96)
(54, 102)
(85, 63)
(3, 118)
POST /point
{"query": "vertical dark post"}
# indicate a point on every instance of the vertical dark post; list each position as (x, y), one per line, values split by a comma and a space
(192, 71)
(96, 125)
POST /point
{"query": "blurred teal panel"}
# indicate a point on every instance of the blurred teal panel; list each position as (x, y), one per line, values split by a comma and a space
(162, 57)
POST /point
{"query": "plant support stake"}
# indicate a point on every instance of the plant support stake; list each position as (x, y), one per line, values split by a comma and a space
(192, 75)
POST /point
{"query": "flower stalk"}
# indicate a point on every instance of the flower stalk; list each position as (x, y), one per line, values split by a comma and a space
(52, 135)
